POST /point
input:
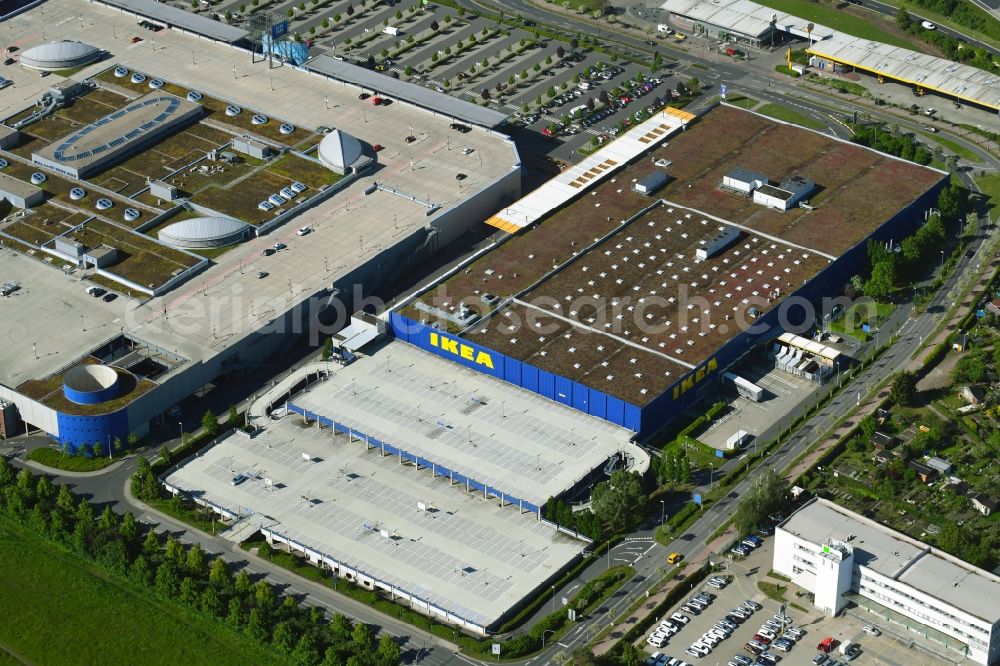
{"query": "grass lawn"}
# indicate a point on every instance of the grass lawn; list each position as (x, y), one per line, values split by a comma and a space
(59, 460)
(742, 101)
(70, 612)
(950, 145)
(990, 185)
(780, 112)
(867, 312)
(859, 26)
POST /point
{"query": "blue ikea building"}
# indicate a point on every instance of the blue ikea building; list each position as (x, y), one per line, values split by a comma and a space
(701, 381)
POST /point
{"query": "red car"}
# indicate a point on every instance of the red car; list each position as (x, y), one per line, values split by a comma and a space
(826, 645)
(762, 639)
(546, 131)
(377, 147)
(376, 101)
(136, 40)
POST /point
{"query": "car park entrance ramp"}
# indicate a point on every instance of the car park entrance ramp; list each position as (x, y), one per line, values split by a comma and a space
(578, 179)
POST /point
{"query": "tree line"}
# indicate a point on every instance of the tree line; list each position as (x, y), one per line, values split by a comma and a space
(891, 269)
(188, 575)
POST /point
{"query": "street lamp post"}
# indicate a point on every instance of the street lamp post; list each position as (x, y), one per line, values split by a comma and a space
(552, 605)
(663, 511)
(181, 424)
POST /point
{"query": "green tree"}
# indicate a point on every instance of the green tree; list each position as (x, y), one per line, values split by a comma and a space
(243, 583)
(388, 650)
(139, 572)
(768, 494)
(210, 602)
(265, 595)
(151, 545)
(363, 638)
(233, 418)
(618, 502)
(128, 528)
(197, 564)
(219, 576)
(235, 615)
(340, 626)
(108, 521)
(166, 580)
(630, 655)
(306, 652)
(903, 21)
(189, 592)
(904, 389)
(283, 639)
(256, 627)
(951, 201)
(210, 424)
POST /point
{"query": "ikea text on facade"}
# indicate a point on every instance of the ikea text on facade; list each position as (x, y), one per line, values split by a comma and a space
(695, 377)
(453, 346)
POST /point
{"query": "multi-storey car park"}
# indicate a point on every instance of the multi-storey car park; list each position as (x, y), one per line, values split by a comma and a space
(843, 558)
(626, 306)
(416, 478)
(209, 296)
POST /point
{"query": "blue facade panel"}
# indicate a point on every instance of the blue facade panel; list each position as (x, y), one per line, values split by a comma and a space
(616, 410)
(529, 378)
(581, 398)
(564, 390)
(598, 404)
(512, 371)
(546, 385)
(75, 431)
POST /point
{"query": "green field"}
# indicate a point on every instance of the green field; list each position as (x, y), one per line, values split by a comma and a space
(64, 611)
(780, 112)
(990, 185)
(840, 20)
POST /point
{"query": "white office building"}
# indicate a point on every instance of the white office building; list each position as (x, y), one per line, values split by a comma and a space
(841, 556)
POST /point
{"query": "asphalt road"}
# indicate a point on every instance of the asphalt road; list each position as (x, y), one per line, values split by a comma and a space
(889, 10)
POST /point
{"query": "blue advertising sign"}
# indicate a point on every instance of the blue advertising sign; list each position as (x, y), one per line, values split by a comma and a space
(279, 29)
(719, 454)
(696, 499)
(866, 328)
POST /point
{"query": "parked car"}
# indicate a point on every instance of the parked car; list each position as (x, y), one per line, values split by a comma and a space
(872, 630)
(680, 617)
(819, 659)
(261, 275)
(279, 246)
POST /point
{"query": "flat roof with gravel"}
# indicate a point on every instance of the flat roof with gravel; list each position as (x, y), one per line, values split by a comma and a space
(390, 522)
(609, 291)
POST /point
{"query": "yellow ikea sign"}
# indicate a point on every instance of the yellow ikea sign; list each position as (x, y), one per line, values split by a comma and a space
(699, 374)
(453, 346)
